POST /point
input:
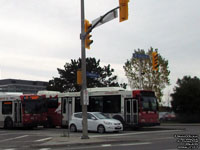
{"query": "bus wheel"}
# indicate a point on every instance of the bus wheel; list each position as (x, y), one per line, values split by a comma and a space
(100, 129)
(8, 123)
(117, 117)
(73, 128)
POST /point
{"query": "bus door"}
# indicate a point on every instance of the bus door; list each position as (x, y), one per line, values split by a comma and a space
(17, 112)
(66, 110)
(131, 111)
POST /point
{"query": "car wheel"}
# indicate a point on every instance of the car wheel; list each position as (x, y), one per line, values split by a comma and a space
(101, 129)
(73, 128)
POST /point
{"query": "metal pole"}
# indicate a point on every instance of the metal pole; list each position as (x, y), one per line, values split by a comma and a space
(140, 73)
(68, 116)
(83, 69)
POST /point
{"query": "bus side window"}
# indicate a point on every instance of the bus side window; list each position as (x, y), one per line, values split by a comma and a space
(52, 102)
(78, 107)
(7, 107)
(64, 105)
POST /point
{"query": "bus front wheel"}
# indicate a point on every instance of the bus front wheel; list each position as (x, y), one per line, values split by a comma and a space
(8, 123)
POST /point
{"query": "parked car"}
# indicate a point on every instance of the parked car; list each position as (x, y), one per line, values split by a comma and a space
(167, 116)
(97, 121)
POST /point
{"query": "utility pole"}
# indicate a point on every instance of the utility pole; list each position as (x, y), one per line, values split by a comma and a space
(83, 69)
(140, 73)
(86, 28)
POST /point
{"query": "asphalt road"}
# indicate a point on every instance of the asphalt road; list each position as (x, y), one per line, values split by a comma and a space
(159, 138)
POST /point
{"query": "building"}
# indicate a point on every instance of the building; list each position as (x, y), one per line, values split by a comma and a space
(24, 86)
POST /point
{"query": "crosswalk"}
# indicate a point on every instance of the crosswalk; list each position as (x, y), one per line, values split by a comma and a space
(11, 140)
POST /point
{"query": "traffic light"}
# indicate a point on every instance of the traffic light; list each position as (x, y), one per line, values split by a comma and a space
(155, 61)
(123, 10)
(88, 36)
(79, 77)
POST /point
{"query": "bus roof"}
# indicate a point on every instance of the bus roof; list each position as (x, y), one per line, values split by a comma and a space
(105, 89)
(9, 97)
(100, 91)
(48, 93)
(10, 93)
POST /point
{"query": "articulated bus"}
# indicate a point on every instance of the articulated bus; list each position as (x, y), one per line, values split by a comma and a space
(135, 108)
(18, 110)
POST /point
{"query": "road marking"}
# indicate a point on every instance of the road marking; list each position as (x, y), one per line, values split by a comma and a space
(106, 145)
(135, 133)
(131, 144)
(45, 139)
(19, 137)
(45, 149)
(109, 145)
(164, 138)
(126, 144)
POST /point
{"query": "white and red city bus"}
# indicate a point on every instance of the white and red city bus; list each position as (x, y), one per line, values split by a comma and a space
(134, 108)
(18, 110)
(54, 110)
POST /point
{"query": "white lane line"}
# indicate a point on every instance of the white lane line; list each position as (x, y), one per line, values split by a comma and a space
(45, 139)
(19, 137)
(135, 133)
(106, 145)
(131, 144)
(45, 149)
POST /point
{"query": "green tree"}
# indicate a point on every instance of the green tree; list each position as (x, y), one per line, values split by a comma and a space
(150, 79)
(186, 99)
(68, 76)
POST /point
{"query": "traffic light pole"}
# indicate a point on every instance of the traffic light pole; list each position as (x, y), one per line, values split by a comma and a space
(83, 69)
(84, 97)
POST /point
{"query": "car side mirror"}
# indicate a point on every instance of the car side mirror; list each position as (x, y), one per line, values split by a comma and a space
(93, 118)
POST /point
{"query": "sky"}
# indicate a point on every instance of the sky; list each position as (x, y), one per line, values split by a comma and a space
(37, 37)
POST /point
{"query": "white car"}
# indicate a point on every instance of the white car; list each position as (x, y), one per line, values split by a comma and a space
(96, 122)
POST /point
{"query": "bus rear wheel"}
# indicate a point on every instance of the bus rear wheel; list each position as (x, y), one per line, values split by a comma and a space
(73, 128)
(8, 123)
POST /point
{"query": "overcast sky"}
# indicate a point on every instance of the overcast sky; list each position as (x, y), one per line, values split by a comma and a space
(39, 36)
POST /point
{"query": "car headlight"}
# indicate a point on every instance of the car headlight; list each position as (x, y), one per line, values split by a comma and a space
(107, 123)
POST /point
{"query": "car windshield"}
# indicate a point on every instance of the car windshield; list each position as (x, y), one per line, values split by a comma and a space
(101, 116)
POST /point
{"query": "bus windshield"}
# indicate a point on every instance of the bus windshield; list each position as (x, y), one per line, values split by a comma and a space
(35, 106)
(149, 103)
